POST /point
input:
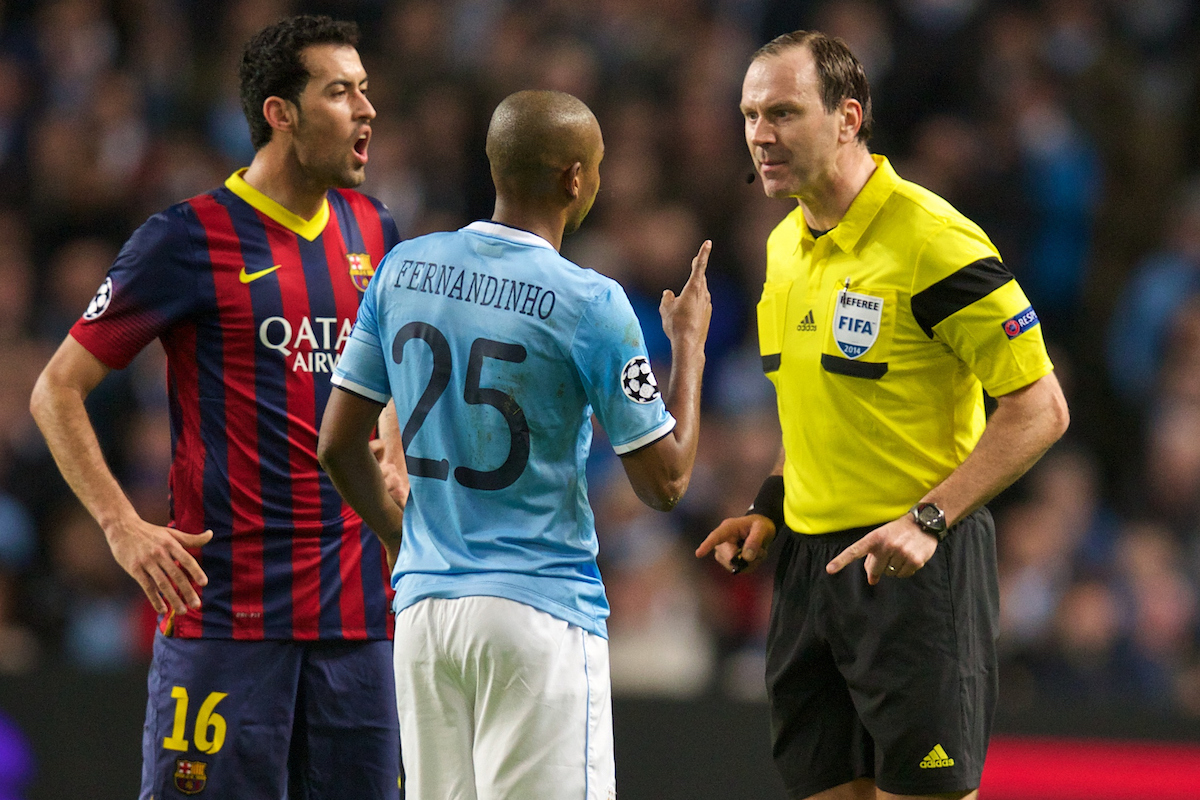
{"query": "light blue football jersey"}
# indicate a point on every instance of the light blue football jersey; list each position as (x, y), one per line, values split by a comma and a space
(497, 351)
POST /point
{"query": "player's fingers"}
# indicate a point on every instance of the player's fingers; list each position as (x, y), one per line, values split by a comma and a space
(700, 262)
(166, 588)
(378, 448)
(192, 568)
(179, 580)
(151, 592)
(191, 539)
(185, 559)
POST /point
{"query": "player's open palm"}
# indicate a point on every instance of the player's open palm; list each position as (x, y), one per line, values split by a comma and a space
(687, 316)
(158, 560)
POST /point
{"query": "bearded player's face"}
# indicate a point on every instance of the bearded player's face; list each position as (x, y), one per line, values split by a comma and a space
(333, 126)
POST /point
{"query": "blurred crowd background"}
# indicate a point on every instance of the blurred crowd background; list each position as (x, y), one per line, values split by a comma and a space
(1068, 129)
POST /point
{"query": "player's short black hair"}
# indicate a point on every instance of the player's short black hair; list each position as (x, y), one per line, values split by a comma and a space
(271, 64)
(840, 73)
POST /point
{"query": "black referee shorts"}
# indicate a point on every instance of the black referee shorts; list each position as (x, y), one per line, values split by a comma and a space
(895, 682)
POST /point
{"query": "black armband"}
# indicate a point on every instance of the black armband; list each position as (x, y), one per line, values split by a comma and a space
(769, 501)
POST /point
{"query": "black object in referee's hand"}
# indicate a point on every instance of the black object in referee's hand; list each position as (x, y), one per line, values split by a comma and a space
(737, 563)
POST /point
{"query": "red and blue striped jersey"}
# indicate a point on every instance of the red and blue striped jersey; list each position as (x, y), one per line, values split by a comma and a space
(253, 306)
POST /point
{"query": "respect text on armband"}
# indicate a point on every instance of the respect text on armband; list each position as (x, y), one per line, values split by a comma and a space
(479, 288)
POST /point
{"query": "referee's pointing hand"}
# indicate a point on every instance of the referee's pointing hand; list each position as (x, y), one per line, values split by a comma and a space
(897, 549)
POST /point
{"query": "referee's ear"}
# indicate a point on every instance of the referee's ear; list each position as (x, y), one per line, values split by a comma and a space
(850, 113)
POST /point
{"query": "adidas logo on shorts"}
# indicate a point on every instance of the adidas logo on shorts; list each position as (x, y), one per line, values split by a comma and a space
(937, 758)
(807, 324)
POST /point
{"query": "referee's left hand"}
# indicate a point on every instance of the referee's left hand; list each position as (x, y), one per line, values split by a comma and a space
(897, 550)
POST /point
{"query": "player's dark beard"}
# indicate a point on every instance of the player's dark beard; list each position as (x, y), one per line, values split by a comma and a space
(327, 168)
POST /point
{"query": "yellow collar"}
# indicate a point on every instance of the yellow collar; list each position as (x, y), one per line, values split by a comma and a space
(866, 205)
(308, 228)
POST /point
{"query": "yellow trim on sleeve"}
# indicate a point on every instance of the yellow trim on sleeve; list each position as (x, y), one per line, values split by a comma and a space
(309, 229)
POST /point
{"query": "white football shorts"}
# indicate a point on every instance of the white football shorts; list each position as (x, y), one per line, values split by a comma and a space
(500, 701)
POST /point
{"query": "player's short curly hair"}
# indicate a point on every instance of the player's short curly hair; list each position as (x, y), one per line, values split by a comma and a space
(271, 64)
(840, 73)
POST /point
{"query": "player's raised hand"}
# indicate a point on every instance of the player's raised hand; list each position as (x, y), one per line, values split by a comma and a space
(897, 550)
(688, 315)
(157, 559)
(739, 543)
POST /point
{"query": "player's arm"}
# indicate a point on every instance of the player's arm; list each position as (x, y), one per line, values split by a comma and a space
(344, 450)
(740, 543)
(1024, 425)
(660, 472)
(153, 555)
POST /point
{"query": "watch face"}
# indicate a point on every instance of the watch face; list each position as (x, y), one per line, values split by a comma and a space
(931, 517)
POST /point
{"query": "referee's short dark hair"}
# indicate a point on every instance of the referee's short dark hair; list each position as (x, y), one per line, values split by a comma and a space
(271, 64)
(840, 73)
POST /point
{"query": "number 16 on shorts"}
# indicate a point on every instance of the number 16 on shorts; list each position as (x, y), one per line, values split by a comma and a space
(209, 732)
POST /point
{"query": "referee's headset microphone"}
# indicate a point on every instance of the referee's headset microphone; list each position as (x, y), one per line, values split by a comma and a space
(751, 175)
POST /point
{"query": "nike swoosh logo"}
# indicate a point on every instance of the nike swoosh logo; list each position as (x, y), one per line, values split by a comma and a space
(246, 277)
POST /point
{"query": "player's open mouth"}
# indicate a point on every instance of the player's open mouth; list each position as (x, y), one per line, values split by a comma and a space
(360, 147)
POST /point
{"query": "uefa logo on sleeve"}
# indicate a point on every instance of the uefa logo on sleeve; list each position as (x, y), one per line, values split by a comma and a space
(637, 380)
(100, 301)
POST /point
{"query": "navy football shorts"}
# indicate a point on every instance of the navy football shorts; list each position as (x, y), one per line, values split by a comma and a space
(895, 682)
(271, 720)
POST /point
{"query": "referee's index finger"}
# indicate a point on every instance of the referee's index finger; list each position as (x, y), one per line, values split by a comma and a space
(849, 555)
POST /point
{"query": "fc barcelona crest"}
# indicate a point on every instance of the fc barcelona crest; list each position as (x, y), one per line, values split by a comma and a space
(361, 270)
(856, 321)
(190, 776)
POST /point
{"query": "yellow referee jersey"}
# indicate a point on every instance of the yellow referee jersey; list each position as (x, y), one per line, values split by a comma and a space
(879, 337)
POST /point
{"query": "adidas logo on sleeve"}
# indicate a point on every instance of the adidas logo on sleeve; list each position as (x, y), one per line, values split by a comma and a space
(807, 324)
(937, 758)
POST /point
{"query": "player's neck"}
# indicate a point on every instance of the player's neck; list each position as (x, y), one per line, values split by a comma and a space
(545, 224)
(825, 206)
(282, 179)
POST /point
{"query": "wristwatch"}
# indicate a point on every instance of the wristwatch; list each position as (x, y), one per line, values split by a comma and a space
(930, 518)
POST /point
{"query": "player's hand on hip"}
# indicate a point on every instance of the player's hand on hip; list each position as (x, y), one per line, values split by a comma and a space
(897, 550)
(688, 314)
(157, 559)
(739, 543)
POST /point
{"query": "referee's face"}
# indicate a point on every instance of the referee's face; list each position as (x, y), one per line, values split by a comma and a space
(334, 116)
(792, 138)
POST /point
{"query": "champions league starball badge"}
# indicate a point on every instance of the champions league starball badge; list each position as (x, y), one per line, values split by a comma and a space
(637, 380)
(100, 301)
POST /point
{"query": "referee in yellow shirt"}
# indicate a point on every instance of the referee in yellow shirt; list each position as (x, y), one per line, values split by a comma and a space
(885, 316)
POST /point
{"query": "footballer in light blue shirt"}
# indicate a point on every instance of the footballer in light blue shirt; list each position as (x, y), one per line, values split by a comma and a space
(497, 350)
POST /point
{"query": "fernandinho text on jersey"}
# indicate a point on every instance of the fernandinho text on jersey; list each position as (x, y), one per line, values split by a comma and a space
(480, 288)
